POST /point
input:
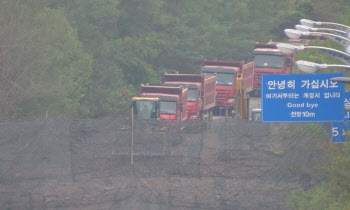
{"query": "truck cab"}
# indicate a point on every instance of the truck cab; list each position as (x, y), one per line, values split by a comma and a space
(201, 92)
(269, 60)
(146, 107)
(194, 99)
(168, 103)
(226, 74)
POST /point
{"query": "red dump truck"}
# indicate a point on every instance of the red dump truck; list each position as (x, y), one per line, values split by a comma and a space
(201, 93)
(227, 73)
(269, 60)
(161, 102)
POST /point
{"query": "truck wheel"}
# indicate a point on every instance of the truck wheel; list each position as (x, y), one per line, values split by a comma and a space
(208, 118)
(210, 115)
(201, 116)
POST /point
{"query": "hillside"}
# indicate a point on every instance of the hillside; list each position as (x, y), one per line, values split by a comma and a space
(85, 164)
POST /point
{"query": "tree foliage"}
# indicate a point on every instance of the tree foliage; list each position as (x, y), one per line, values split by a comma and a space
(332, 194)
(42, 63)
(80, 56)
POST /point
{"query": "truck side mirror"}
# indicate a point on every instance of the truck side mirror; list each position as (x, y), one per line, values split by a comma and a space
(289, 62)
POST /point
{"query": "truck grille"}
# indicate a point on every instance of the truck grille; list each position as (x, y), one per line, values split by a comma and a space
(222, 95)
(192, 109)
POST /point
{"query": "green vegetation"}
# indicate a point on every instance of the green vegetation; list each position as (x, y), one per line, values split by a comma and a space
(77, 57)
(332, 194)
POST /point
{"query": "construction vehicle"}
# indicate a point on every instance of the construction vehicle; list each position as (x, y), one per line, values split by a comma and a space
(233, 81)
(268, 59)
(161, 102)
(201, 93)
(160, 109)
(157, 115)
(244, 85)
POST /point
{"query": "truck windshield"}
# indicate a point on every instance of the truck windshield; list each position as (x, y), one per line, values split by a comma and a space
(269, 61)
(167, 107)
(145, 108)
(192, 95)
(223, 78)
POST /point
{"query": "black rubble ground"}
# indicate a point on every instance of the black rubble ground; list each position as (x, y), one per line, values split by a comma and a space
(85, 164)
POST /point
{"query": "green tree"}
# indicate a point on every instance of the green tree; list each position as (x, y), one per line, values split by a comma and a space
(136, 41)
(43, 66)
(332, 194)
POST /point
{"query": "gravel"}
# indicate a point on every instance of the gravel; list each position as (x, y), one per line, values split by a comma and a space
(85, 164)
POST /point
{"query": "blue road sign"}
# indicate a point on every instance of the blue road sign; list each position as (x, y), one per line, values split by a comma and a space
(347, 105)
(338, 128)
(302, 98)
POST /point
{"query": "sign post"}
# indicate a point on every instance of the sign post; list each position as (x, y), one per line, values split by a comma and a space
(302, 98)
(339, 129)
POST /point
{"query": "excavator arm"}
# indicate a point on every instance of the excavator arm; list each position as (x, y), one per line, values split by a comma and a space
(242, 100)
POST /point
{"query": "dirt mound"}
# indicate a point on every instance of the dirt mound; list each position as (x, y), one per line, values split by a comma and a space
(85, 164)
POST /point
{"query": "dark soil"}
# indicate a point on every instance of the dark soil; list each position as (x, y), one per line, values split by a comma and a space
(86, 164)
